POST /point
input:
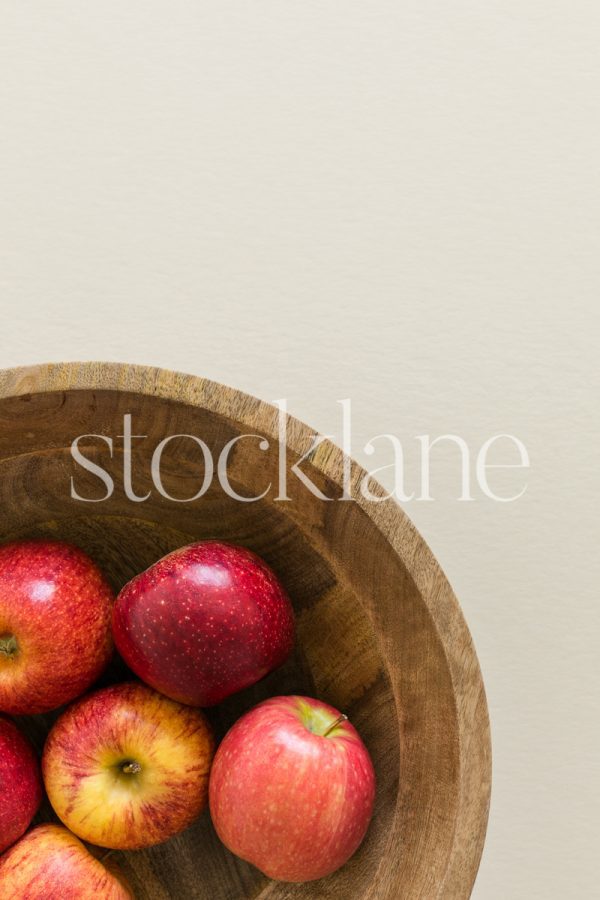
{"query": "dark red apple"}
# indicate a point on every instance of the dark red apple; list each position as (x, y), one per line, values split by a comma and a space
(55, 615)
(292, 789)
(20, 783)
(204, 622)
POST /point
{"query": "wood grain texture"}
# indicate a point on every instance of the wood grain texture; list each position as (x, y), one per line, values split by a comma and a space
(381, 634)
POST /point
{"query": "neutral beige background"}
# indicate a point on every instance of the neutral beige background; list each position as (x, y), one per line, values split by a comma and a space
(396, 202)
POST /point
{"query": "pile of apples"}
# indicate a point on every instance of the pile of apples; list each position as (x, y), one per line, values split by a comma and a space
(291, 786)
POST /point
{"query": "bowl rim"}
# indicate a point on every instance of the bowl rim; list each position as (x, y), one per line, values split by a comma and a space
(474, 751)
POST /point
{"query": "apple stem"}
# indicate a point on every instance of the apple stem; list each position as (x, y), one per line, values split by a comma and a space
(131, 768)
(105, 855)
(335, 724)
(8, 645)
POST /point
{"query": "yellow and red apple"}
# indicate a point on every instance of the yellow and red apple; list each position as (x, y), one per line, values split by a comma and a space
(50, 863)
(127, 768)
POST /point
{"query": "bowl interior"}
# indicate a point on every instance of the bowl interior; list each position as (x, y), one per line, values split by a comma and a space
(366, 640)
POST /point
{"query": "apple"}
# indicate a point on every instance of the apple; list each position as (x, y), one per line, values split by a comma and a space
(55, 617)
(127, 768)
(49, 863)
(204, 622)
(292, 789)
(20, 783)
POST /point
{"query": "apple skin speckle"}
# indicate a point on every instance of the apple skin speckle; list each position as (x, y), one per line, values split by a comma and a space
(204, 622)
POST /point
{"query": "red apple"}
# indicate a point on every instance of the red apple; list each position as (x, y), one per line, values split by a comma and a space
(50, 863)
(292, 789)
(204, 622)
(20, 783)
(128, 768)
(55, 614)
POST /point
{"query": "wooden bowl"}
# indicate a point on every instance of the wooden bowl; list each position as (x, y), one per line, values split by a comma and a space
(380, 633)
